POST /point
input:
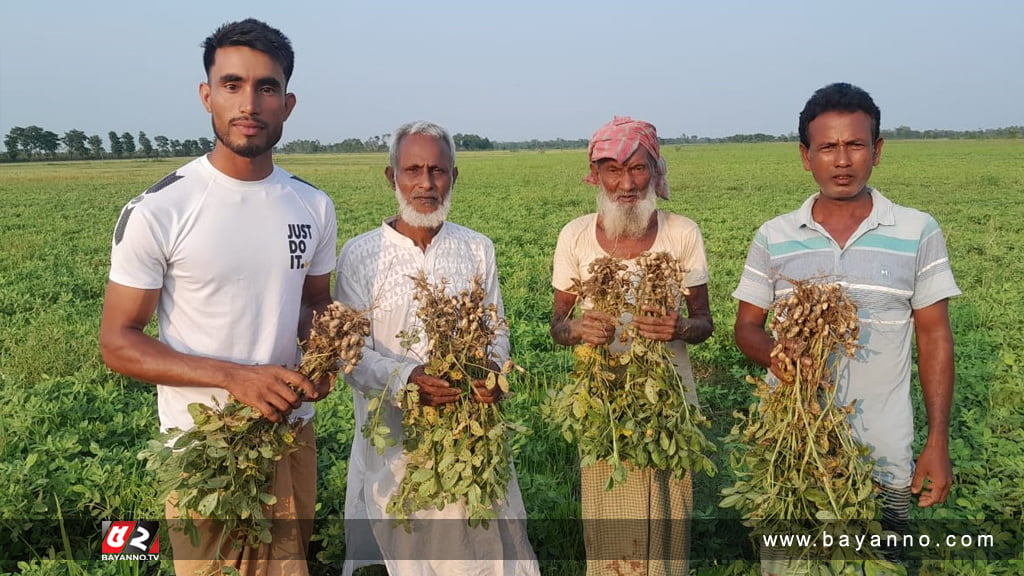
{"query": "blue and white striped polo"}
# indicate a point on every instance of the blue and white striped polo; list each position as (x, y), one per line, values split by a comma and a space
(894, 263)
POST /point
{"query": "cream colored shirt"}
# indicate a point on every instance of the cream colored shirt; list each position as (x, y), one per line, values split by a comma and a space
(678, 235)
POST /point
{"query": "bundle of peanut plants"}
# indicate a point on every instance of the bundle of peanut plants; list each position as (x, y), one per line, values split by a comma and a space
(798, 467)
(223, 466)
(457, 452)
(626, 404)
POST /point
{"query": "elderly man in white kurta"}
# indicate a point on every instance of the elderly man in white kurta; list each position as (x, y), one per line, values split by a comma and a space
(374, 274)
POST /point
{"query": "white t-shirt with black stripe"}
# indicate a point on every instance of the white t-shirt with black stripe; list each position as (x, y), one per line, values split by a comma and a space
(230, 258)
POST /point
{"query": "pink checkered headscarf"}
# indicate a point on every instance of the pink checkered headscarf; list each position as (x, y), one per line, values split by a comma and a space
(619, 139)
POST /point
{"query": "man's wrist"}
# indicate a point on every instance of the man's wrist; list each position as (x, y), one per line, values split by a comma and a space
(937, 442)
(563, 333)
(682, 327)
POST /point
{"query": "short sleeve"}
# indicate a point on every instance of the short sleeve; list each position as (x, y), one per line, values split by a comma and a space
(934, 277)
(139, 251)
(566, 261)
(324, 259)
(756, 286)
(695, 259)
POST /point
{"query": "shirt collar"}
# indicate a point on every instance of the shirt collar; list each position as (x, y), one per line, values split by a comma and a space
(881, 211)
(397, 237)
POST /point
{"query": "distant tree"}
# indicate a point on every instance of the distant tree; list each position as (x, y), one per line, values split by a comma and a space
(145, 146)
(904, 133)
(375, 144)
(308, 147)
(96, 146)
(128, 144)
(31, 138)
(116, 150)
(351, 145)
(190, 147)
(49, 142)
(205, 145)
(176, 148)
(163, 145)
(75, 142)
(12, 141)
(475, 142)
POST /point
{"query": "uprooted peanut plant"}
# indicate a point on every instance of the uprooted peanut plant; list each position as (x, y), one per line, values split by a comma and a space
(457, 452)
(798, 467)
(223, 467)
(626, 403)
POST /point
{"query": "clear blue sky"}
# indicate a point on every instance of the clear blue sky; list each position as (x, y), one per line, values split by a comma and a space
(520, 69)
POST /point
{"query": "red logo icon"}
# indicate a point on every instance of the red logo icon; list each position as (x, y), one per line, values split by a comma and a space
(130, 537)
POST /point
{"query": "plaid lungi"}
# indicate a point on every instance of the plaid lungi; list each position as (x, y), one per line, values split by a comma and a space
(641, 527)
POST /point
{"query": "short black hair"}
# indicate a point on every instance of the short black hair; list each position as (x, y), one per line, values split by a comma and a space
(839, 97)
(253, 34)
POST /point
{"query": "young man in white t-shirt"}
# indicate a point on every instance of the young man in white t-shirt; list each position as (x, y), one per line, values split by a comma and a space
(232, 254)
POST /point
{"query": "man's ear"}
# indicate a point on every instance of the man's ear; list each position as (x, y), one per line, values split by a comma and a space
(455, 174)
(593, 171)
(389, 173)
(289, 104)
(204, 95)
(805, 157)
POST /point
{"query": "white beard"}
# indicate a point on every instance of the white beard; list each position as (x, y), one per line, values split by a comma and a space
(410, 216)
(630, 221)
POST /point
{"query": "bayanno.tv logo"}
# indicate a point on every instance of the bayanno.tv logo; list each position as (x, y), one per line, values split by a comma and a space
(130, 540)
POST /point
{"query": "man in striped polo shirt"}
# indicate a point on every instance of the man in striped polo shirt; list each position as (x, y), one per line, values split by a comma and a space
(893, 262)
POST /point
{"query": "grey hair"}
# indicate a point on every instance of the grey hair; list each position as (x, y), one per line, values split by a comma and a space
(420, 127)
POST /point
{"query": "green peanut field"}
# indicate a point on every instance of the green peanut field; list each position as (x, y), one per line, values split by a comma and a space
(70, 430)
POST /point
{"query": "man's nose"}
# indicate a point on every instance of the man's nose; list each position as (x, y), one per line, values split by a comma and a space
(249, 102)
(843, 156)
(427, 180)
(626, 181)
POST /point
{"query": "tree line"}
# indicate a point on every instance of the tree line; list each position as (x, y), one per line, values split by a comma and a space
(899, 133)
(33, 142)
(475, 142)
(376, 144)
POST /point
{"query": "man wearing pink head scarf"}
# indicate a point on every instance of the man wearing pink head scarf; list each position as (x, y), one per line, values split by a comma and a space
(640, 526)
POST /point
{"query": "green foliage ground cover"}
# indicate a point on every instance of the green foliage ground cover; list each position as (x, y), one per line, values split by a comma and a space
(69, 429)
